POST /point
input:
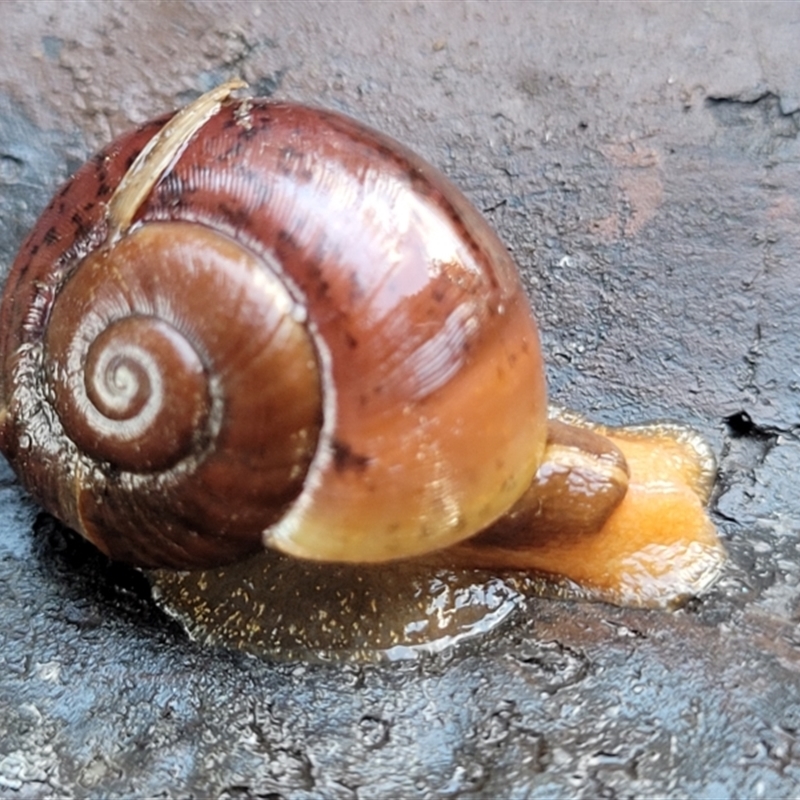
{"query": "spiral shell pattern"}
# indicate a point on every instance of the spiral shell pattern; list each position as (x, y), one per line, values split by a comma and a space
(173, 421)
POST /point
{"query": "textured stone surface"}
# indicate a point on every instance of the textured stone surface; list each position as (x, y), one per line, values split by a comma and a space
(640, 160)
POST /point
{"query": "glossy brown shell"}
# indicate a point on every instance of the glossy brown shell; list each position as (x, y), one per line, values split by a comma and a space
(433, 403)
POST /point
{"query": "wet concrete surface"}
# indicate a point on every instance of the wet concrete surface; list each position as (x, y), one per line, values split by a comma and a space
(641, 161)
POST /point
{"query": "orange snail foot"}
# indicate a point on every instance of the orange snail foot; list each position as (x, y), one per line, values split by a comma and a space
(656, 547)
(640, 537)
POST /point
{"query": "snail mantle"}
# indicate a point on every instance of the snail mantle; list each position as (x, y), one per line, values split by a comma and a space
(254, 325)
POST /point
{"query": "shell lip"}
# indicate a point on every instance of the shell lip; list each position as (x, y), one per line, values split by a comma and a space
(283, 534)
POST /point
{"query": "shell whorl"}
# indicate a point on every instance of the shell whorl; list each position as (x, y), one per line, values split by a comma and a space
(120, 384)
(161, 356)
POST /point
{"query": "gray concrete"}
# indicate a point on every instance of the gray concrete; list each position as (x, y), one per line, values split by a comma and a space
(642, 161)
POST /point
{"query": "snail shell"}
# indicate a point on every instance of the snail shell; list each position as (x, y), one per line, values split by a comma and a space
(260, 324)
(287, 343)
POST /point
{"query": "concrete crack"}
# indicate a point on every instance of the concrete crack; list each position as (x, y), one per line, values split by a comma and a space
(767, 98)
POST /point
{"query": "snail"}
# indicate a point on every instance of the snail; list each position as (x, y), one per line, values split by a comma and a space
(257, 325)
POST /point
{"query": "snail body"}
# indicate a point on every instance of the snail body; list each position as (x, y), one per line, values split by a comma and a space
(257, 324)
